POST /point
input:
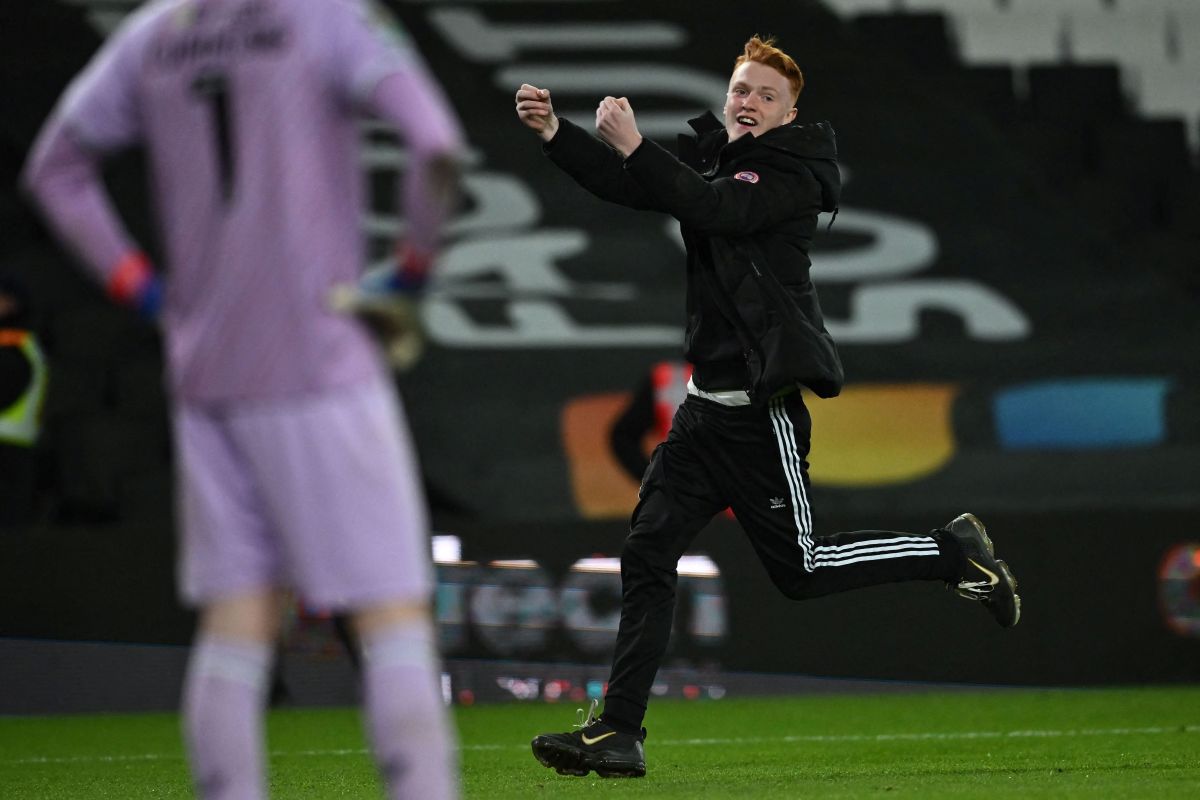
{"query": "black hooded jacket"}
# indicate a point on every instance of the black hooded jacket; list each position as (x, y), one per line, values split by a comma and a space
(748, 212)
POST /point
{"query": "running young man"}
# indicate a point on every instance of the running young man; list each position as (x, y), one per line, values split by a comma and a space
(747, 193)
(295, 467)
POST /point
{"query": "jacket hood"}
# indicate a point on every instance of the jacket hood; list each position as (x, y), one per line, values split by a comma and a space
(814, 143)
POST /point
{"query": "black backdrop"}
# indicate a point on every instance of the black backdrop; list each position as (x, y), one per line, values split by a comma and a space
(1085, 530)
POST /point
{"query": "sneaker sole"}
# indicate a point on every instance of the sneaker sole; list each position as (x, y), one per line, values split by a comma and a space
(1011, 580)
(570, 761)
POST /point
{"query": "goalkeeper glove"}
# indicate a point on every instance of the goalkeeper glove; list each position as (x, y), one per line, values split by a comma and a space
(386, 303)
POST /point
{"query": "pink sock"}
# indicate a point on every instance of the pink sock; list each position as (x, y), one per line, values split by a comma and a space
(406, 720)
(223, 699)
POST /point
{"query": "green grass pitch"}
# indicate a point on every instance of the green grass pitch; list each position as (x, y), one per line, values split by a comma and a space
(1112, 743)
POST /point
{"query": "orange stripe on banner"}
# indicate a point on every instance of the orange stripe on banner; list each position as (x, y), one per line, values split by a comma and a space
(870, 435)
(600, 488)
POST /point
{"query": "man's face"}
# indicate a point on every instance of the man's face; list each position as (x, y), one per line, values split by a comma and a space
(758, 100)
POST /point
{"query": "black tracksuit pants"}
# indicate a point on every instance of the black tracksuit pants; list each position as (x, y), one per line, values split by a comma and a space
(752, 459)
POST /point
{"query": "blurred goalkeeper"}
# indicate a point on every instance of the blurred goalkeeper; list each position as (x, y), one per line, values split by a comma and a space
(295, 466)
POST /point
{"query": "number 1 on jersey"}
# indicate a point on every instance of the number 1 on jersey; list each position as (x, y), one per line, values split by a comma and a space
(213, 88)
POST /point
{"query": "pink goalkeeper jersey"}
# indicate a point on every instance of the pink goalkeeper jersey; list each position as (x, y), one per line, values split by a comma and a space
(247, 110)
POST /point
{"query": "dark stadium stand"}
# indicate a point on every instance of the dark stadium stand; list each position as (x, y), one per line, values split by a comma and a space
(1095, 72)
(923, 37)
(1021, 202)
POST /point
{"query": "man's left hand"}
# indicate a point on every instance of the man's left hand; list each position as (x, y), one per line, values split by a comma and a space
(615, 123)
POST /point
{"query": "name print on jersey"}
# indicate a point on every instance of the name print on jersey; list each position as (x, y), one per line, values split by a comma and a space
(242, 36)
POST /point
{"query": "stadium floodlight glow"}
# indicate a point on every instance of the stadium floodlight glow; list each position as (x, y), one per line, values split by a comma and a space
(447, 549)
(514, 563)
(695, 566)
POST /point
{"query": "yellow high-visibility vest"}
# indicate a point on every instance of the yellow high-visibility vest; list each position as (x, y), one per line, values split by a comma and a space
(21, 421)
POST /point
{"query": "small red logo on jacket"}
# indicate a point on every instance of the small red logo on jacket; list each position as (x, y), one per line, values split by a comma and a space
(747, 176)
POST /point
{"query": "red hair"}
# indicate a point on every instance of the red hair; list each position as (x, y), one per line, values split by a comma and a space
(764, 51)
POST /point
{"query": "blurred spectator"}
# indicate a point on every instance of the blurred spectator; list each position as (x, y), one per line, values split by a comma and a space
(651, 408)
(647, 418)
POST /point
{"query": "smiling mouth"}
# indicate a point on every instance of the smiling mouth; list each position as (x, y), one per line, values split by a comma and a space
(749, 122)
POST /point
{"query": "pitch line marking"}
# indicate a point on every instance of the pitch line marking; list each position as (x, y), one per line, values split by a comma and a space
(832, 738)
(932, 736)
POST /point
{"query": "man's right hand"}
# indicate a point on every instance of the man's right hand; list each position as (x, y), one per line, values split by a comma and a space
(536, 111)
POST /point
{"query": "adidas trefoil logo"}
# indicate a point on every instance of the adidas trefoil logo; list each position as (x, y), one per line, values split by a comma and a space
(778, 502)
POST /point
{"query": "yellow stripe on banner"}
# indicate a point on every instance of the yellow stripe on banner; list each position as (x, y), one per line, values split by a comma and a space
(880, 434)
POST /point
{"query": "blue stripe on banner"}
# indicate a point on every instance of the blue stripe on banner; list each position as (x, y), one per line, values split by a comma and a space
(1085, 413)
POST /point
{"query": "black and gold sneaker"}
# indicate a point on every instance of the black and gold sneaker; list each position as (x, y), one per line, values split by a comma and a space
(985, 578)
(595, 746)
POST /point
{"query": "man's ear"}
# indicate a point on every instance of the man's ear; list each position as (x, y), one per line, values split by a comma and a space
(791, 115)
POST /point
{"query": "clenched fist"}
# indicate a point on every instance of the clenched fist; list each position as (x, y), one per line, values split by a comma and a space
(616, 125)
(535, 109)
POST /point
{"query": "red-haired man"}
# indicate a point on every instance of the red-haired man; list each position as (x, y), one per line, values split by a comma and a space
(747, 194)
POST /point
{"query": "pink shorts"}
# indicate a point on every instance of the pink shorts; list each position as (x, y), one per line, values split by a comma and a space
(318, 494)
